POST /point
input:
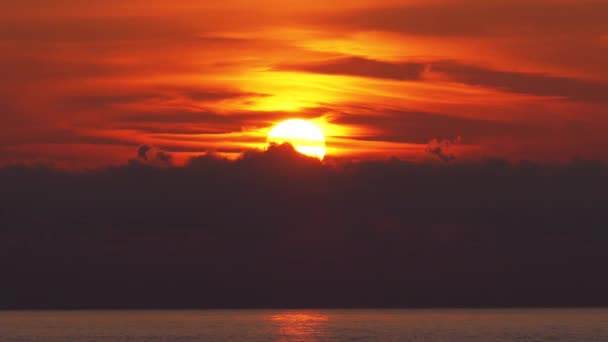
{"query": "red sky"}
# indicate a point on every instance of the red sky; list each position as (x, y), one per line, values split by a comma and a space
(84, 83)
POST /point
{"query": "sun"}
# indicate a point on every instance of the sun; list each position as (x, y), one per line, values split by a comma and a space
(303, 135)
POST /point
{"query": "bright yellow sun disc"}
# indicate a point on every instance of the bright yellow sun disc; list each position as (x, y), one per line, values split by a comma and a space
(303, 135)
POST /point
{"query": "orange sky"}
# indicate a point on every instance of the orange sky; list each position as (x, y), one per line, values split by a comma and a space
(85, 83)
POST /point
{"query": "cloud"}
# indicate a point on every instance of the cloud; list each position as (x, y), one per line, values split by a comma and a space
(510, 81)
(442, 148)
(103, 29)
(524, 83)
(420, 127)
(217, 95)
(94, 98)
(142, 152)
(481, 227)
(475, 19)
(153, 156)
(207, 121)
(358, 66)
(70, 136)
(92, 102)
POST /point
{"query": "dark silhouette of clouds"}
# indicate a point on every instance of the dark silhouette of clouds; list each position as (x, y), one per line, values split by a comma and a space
(142, 152)
(278, 229)
(441, 148)
(153, 156)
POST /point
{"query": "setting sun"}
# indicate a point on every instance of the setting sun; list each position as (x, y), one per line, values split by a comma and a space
(303, 135)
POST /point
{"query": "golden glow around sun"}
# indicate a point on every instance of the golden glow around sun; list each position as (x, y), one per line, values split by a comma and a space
(303, 135)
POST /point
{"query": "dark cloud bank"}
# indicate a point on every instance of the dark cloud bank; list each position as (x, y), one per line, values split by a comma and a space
(277, 229)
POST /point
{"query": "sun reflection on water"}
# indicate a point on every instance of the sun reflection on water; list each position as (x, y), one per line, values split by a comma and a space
(300, 326)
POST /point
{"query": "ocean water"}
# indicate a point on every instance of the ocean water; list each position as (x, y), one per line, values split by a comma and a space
(307, 325)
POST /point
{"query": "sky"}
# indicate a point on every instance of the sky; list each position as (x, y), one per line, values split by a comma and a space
(466, 161)
(86, 84)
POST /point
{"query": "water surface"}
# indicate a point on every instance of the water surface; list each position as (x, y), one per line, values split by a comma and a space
(307, 325)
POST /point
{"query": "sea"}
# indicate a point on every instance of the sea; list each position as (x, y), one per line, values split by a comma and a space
(307, 325)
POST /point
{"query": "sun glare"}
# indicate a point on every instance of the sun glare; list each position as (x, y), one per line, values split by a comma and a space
(303, 135)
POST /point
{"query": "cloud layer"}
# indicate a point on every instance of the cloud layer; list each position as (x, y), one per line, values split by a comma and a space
(249, 233)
